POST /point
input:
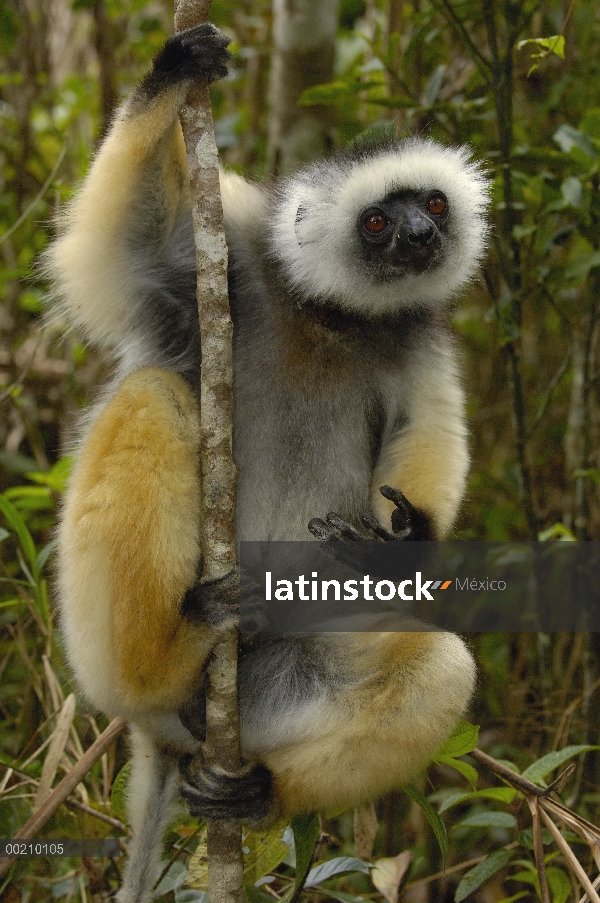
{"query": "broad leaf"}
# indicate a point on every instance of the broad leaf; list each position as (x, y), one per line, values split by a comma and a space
(432, 817)
(488, 820)
(461, 741)
(538, 771)
(476, 876)
(338, 866)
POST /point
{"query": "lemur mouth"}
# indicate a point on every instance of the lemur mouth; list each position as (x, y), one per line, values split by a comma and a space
(412, 260)
(411, 264)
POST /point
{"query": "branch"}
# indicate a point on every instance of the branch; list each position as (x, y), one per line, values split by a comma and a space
(218, 471)
(541, 805)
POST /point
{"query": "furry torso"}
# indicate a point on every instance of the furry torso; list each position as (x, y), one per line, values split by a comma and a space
(296, 364)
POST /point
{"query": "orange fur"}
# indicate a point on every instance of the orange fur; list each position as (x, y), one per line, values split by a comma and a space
(144, 527)
(414, 685)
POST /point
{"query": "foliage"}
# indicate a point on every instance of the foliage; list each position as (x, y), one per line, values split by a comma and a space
(518, 82)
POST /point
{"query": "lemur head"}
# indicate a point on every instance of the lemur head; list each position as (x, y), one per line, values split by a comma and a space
(383, 228)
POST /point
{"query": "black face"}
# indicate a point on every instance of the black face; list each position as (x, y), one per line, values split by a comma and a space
(404, 233)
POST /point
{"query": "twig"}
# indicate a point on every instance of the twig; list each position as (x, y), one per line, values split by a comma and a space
(502, 771)
(31, 207)
(65, 788)
(596, 885)
(89, 810)
(459, 867)
(540, 804)
(572, 860)
(538, 847)
(217, 538)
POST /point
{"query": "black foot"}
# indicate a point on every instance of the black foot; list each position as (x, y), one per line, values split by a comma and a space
(408, 523)
(214, 602)
(197, 55)
(213, 793)
(192, 714)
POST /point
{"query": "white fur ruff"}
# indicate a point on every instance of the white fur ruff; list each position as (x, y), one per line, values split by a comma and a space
(315, 232)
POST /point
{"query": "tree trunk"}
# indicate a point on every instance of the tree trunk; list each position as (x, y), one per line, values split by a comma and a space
(304, 34)
(225, 860)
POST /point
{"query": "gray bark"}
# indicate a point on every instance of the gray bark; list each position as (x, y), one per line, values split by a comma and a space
(304, 34)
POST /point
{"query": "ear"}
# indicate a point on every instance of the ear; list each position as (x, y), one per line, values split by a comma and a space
(301, 227)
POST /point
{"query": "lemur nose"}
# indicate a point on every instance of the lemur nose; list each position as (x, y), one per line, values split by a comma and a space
(422, 236)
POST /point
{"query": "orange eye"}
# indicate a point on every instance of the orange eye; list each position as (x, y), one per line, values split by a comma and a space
(437, 205)
(375, 223)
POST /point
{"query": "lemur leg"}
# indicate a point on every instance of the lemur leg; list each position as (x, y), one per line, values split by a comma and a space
(129, 550)
(152, 786)
(404, 697)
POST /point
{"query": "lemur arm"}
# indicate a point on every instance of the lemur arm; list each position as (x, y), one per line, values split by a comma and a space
(133, 195)
(427, 458)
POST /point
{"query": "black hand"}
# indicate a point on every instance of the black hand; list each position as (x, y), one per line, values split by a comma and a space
(197, 55)
(408, 522)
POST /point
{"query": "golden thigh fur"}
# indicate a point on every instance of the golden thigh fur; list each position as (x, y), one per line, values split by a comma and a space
(129, 549)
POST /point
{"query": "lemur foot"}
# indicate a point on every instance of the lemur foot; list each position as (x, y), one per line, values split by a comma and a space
(213, 792)
(214, 602)
(198, 55)
(408, 523)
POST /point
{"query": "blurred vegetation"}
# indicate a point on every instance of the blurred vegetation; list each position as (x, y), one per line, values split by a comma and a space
(519, 81)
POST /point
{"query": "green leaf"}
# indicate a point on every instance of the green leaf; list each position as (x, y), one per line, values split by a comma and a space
(118, 793)
(15, 462)
(265, 851)
(556, 531)
(538, 770)
(55, 478)
(525, 838)
(432, 817)
(307, 829)
(463, 768)
(559, 884)
(9, 28)
(588, 473)
(500, 794)
(30, 499)
(515, 897)
(45, 553)
(337, 866)
(344, 898)
(461, 741)
(567, 137)
(476, 876)
(572, 192)
(488, 820)
(333, 91)
(187, 895)
(520, 232)
(18, 524)
(578, 269)
(554, 44)
(288, 894)
(432, 88)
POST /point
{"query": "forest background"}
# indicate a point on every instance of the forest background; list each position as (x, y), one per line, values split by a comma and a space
(518, 81)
